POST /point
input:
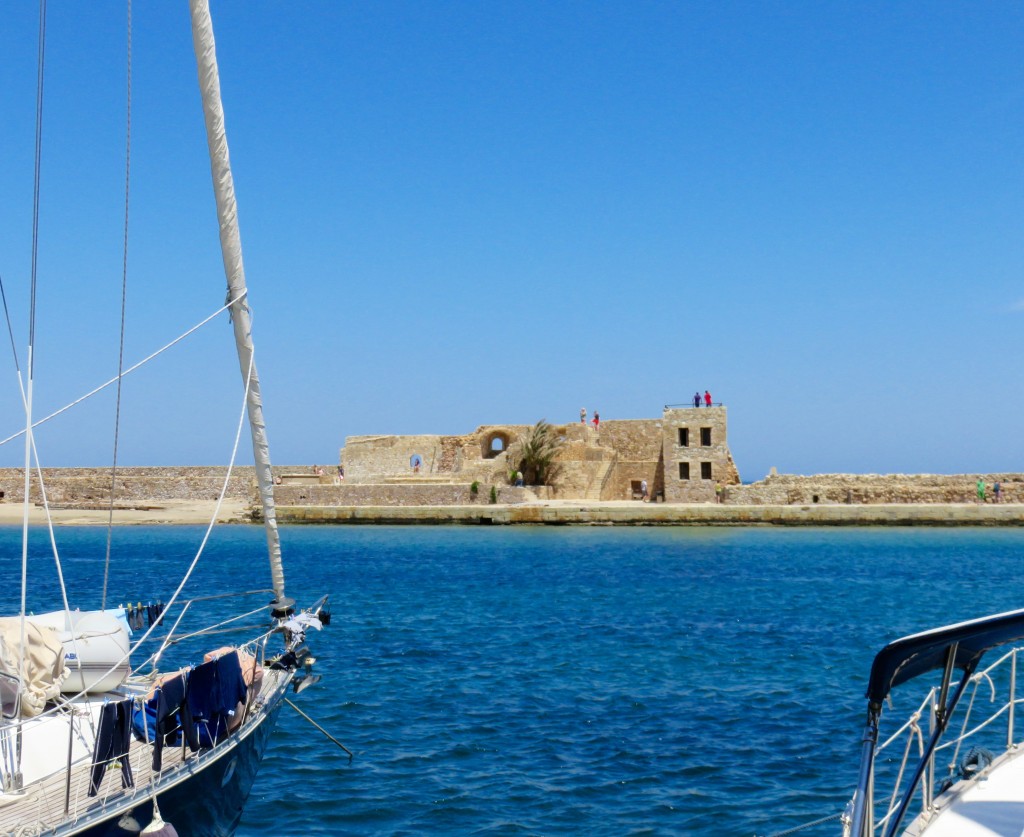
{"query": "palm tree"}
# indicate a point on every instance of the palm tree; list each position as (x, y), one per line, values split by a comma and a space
(534, 454)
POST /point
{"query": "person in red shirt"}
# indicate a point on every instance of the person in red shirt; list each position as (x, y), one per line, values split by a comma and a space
(596, 421)
(707, 398)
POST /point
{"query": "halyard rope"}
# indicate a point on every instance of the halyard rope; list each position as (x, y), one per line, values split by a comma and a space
(124, 297)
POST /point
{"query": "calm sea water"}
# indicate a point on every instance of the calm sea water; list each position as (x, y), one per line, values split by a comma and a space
(569, 680)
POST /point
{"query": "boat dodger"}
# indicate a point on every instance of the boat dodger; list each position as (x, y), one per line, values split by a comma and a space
(95, 647)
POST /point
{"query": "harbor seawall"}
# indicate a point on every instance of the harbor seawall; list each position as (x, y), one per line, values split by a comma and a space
(664, 514)
(780, 500)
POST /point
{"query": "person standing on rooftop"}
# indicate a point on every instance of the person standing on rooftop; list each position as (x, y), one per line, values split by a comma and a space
(707, 398)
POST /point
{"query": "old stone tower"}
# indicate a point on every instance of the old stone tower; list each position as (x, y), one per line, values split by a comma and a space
(696, 452)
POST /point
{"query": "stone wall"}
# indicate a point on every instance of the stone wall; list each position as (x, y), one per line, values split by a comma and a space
(624, 474)
(789, 489)
(593, 463)
(634, 440)
(365, 457)
(638, 447)
(91, 486)
(665, 514)
(401, 494)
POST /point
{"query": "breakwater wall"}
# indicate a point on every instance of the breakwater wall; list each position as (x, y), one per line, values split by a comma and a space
(663, 514)
(305, 497)
(132, 486)
(775, 490)
(854, 489)
(399, 494)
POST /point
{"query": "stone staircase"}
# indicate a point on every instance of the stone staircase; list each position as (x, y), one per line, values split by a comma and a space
(600, 477)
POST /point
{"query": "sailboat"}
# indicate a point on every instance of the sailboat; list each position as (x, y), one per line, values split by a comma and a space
(953, 766)
(102, 731)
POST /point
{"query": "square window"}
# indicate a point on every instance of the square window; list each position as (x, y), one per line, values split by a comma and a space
(705, 470)
(684, 437)
(705, 436)
(684, 470)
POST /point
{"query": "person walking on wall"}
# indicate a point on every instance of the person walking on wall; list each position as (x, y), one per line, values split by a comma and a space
(596, 421)
(997, 490)
(707, 398)
(643, 490)
(583, 415)
(718, 492)
(696, 399)
(981, 491)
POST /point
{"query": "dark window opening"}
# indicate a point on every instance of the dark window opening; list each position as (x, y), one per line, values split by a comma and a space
(705, 436)
(705, 470)
(814, 499)
(684, 437)
(684, 470)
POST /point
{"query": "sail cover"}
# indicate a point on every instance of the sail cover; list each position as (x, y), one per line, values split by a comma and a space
(43, 670)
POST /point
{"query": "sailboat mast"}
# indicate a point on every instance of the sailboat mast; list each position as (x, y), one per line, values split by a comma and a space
(231, 250)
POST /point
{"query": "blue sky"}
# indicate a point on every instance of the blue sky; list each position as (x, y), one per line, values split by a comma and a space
(465, 213)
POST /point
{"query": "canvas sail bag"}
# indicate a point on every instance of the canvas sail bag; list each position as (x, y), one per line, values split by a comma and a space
(44, 668)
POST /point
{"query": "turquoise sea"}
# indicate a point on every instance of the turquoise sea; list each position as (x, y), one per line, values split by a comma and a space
(693, 681)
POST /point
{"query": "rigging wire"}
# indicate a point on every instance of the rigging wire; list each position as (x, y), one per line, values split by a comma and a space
(127, 371)
(10, 331)
(40, 64)
(53, 548)
(36, 179)
(206, 535)
(124, 297)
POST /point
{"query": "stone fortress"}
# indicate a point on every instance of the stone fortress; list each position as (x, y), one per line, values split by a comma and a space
(683, 456)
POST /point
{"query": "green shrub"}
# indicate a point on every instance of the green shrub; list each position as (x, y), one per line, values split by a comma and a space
(494, 494)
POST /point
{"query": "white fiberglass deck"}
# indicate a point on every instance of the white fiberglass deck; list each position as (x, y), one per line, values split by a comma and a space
(992, 806)
(41, 807)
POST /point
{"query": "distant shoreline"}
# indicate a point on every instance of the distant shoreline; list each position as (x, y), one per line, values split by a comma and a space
(156, 512)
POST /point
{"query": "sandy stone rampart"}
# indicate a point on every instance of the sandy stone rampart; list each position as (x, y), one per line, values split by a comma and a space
(664, 514)
(413, 494)
(91, 486)
(790, 489)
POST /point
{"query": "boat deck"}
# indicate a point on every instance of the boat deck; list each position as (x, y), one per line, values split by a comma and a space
(60, 802)
(992, 806)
